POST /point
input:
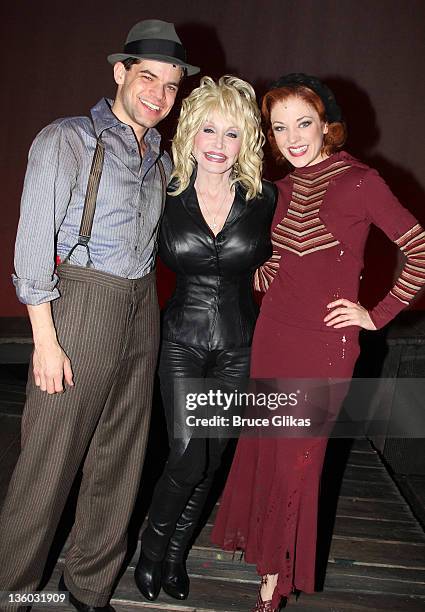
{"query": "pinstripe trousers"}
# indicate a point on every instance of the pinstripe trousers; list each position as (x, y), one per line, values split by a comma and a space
(109, 328)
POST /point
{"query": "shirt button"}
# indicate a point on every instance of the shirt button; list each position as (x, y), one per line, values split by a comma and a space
(135, 248)
(139, 214)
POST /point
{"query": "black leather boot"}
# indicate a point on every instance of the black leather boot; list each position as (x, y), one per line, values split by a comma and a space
(168, 501)
(175, 580)
(147, 576)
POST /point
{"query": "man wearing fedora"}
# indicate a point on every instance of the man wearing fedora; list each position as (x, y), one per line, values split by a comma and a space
(84, 266)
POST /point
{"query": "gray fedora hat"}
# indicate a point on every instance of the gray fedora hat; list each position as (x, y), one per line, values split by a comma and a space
(156, 40)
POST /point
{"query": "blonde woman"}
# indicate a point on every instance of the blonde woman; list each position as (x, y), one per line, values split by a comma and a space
(215, 233)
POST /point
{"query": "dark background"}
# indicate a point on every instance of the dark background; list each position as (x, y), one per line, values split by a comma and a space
(371, 52)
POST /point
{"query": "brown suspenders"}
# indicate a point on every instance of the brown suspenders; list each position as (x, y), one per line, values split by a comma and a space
(163, 180)
(86, 225)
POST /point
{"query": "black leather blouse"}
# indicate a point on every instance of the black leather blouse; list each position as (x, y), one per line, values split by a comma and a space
(213, 305)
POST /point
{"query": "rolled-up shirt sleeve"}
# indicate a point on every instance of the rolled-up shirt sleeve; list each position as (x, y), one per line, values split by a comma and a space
(50, 176)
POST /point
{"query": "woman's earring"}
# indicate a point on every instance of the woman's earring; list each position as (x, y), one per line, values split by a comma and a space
(235, 170)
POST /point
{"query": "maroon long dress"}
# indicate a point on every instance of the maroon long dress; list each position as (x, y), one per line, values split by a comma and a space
(269, 505)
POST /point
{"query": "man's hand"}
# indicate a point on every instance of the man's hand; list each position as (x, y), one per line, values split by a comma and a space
(50, 363)
(51, 366)
(346, 313)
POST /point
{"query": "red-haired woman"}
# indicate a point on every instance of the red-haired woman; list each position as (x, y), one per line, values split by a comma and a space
(308, 325)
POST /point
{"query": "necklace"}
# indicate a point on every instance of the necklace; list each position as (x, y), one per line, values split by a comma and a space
(213, 225)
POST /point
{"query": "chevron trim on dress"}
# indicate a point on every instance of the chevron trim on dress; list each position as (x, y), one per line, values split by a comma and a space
(301, 231)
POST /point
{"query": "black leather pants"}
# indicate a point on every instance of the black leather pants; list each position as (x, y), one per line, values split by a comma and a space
(181, 492)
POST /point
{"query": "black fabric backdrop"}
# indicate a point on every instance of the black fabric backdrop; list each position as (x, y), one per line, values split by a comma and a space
(372, 52)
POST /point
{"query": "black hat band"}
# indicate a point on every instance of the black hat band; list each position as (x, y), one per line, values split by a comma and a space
(156, 46)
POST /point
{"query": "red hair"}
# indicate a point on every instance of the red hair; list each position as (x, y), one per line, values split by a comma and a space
(337, 132)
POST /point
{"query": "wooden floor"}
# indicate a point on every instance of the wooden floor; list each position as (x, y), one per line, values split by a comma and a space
(377, 551)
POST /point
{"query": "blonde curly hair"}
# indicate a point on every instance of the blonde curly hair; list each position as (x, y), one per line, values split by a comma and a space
(235, 99)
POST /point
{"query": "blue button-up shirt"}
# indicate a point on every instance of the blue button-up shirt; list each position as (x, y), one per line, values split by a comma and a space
(128, 209)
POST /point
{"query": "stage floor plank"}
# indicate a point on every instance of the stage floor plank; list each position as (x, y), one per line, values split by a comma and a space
(377, 552)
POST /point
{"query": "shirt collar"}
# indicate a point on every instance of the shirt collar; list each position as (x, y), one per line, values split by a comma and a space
(104, 119)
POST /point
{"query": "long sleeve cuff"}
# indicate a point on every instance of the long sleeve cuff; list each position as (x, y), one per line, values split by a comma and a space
(386, 310)
(33, 293)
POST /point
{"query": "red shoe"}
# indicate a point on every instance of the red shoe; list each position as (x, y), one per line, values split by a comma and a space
(263, 606)
(266, 606)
